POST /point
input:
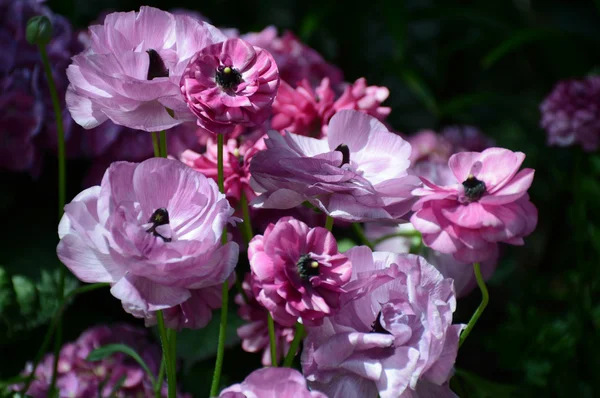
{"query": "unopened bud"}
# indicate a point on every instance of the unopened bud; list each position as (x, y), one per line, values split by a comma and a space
(39, 30)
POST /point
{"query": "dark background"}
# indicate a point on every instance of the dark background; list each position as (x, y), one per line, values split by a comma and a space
(486, 63)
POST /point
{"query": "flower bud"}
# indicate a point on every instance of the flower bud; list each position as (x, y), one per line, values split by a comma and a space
(39, 30)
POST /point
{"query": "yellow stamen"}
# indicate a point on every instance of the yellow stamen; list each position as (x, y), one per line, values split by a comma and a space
(314, 264)
(227, 70)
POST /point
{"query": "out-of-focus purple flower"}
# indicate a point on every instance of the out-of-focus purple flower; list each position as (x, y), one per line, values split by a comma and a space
(255, 333)
(394, 337)
(295, 60)
(27, 125)
(358, 173)
(427, 145)
(571, 113)
(307, 111)
(132, 69)
(230, 83)
(404, 237)
(79, 378)
(152, 230)
(236, 166)
(297, 272)
(272, 382)
(486, 203)
(466, 139)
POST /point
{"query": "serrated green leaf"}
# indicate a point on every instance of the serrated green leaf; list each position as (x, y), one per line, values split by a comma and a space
(26, 294)
(110, 349)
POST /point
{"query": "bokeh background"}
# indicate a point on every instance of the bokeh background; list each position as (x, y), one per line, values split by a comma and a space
(486, 63)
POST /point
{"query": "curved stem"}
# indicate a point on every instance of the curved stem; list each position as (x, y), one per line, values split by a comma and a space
(214, 389)
(272, 341)
(361, 235)
(163, 144)
(155, 145)
(298, 336)
(484, 302)
(329, 223)
(62, 193)
(159, 379)
(53, 325)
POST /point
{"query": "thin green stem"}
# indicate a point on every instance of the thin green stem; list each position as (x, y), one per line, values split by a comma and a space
(329, 223)
(214, 389)
(155, 145)
(172, 386)
(247, 224)
(298, 336)
(358, 230)
(272, 341)
(484, 302)
(62, 192)
(164, 340)
(406, 234)
(160, 378)
(163, 144)
(53, 325)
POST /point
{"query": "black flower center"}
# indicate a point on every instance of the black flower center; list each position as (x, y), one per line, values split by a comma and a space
(228, 77)
(343, 148)
(307, 267)
(474, 188)
(376, 326)
(158, 218)
(157, 66)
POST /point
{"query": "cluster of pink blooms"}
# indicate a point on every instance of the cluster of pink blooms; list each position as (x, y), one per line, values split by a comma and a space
(80, 378)
(298, 141)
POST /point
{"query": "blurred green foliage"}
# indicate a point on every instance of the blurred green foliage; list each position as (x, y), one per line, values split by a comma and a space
(488, 63)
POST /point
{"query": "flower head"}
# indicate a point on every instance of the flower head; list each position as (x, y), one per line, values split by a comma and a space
(255, 334)
(152, 230)
(297, 272)
(486, 203)
(393, 337)
(230, 83)
(571, 113)
(272, 382)
(131, 72)
(78, 377)
(358, 173)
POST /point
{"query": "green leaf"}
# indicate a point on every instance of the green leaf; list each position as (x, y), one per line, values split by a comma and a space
(107, 350)
(420, 89)
(345, 244)
(515, 42)
(476, 386)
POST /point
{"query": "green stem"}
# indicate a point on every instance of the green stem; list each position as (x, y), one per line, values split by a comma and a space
(53, 325)
(172, 386)
(159, 379)
(247, 224)
(298, 336)
(164, 340)
(155, 145)
(214, 389)
(407, 234)
(272, 341)
(163, 144)
(484, 302)
(62, 192)
(358, 230)
(329, 223)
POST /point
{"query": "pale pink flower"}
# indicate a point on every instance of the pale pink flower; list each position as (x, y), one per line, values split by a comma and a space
(230, 83)
(297, 272)
(486, 203)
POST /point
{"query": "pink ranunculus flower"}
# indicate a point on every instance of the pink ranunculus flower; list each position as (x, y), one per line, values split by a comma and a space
(571, 113)
(368, 99)
(298, 272)
(272, 382)
(230, 83)
(152, 230)
(131, 71)
(236, 165)
(358, 173)
(255, 333)
(486, 203)
(393, 336)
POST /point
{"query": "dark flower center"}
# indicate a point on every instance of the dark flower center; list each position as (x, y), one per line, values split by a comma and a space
(158, 218)
(343, 148)
(157, 66)
(376, 326)
(307, 267)
(474, 188)
(228, 77)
